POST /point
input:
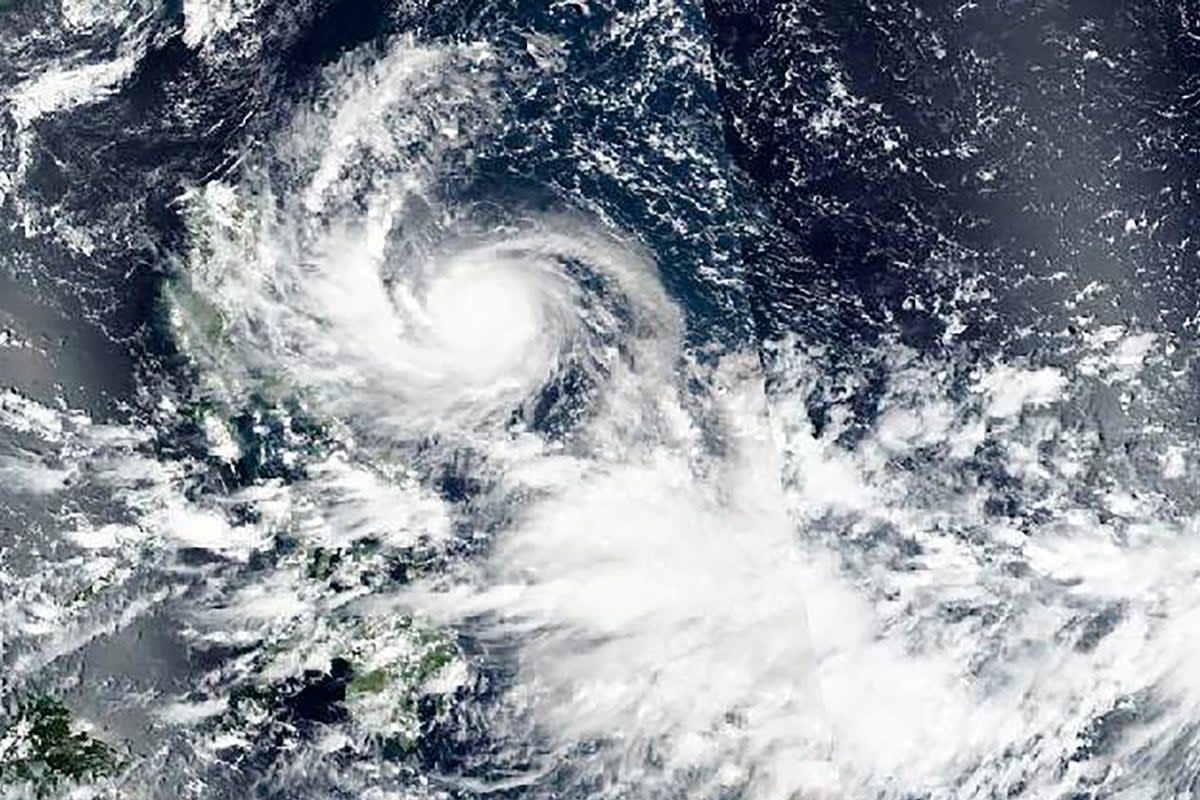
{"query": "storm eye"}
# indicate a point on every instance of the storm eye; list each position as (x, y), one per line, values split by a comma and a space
(484, 316)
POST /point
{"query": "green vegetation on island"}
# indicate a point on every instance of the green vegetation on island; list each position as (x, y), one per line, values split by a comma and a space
(42, 747)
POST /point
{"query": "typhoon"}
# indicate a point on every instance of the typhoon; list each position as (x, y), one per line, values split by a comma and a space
(598, 399)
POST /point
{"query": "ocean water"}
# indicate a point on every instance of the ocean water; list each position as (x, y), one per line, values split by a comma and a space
(659, 399)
